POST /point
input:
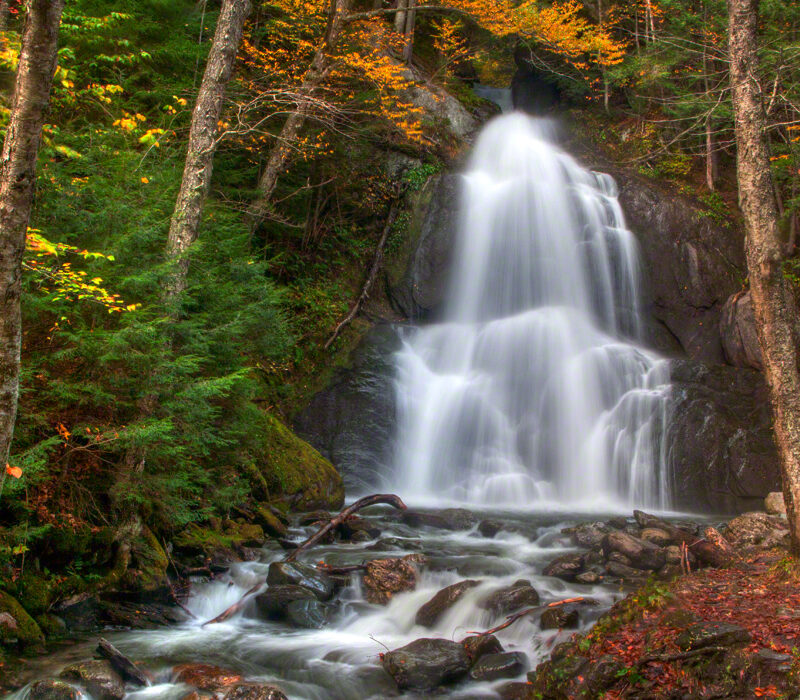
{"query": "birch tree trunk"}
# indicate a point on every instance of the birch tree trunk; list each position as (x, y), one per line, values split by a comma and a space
(287, 138)
(37, 64)
(185, 223)
(773, 302)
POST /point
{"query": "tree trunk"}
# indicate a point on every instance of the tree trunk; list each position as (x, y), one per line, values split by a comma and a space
(400, 17)
(196, 182)
(287, 138)
(411, 20)
(37, 64)
(773, 303)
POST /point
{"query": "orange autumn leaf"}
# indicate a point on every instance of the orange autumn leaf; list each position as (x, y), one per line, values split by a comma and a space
(16, 472)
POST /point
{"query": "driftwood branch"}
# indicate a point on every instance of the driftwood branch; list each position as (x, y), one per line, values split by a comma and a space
(511, 619)
(236, 607)
(387, 498)
(377, 261)
(123, 665)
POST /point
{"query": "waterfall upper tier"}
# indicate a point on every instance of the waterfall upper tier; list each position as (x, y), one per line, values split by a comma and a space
(534, 386)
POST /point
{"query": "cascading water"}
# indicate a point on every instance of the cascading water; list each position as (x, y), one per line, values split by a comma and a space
(533, 388)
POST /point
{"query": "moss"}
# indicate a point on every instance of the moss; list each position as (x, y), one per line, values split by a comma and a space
(296, 473)
(148, 566)
(28, 633)
(52, 626)
(197, 539)
(34, 593)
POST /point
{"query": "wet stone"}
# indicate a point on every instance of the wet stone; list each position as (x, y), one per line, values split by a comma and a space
(426, 664)
(588, 578)
(480, 645)
(384, 578)
(205, 676)
(490, 667)
(398, 543)
(284, 573)
(516, 691)
(559, 618)
(656, 536)
(565, 567)
(489, 528)
(507, 600)
(308, 614)
(274, 602)
(712, 634)
(430, 613)
(98, 677)
(255, 691)
(447, 519)
(51, 689)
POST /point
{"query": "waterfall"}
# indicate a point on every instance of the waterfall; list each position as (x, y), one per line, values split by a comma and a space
(534, 386)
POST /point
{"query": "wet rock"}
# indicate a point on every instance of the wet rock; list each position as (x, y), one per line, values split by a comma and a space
(756, 528)
(619, 558)
(357, 529)
(205, 676)
(559, 618)
(390, 543)
(273, 603)
(481, 644)
(315, 517)
(656, 536)
(308, 614)
(430, 613)
(53, 690)
(98, 677)
(447, 519)
(643, 554)
(137, 615)
(426, 664)
(708, 634)
(674, 555)
(80, 613)
(626, 573)
(565, 567)
(774, 503)
(738, 332)
(255, 691)
(489, 528)
(490, 667)
(587, 534)
(773, 661)
(270, 523)
(385, 577)
(516, 691)
(17, 626)
(506, 600)
(602, 674)
(589, 578)
(285, 573)
(617, 523)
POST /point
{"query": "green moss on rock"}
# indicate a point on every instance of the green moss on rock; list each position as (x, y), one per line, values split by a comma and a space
(296, 473)
(27, 632)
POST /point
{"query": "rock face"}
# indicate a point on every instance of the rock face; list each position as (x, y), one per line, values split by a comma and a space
(722, 453)
(691, 264)
(738, 332)
(426, 664)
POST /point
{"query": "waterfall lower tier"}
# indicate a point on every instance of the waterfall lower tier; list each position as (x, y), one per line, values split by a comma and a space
(533, 388)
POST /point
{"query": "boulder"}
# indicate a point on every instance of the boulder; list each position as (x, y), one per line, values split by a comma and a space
(390, 543)
(489, 528)
(207, 677)
(712, 634)
(447, 519)
(52, 690)
(656, 536)
(291, 573)
(774, 503)
(738, 332)
(559, 618)
(756, 528)
(626, 573)
(255, 691)
(426, 664)
(517, 691)
(490, 667)
(642, 554)
(308, 614)
(270, 523)
(355, 528)
(507, 600)
(566, 567)
(430, 613)
(273, 603)
(481, 644)
(98, 677)
(587, 534)
(589, 578)
(16, 625)
(385, 577)
(719, 438)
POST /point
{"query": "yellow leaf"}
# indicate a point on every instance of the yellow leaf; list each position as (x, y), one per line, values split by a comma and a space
(16, 472)
(145, 180)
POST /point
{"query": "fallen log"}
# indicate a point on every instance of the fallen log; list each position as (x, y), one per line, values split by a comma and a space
(713, 549)
(511, 619)
(237, 606)
(385, 498)
(123, 665)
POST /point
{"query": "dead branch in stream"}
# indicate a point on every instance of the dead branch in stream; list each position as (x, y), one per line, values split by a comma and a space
(123, 665)
(236, 607)
(511, 619)
(377, 261)
(385, 498)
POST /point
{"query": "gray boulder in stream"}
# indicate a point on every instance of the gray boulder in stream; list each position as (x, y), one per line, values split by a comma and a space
(430, 613)
(292, 574)
(425, 664)
(53, 690)
(273, 603)
(98, 677)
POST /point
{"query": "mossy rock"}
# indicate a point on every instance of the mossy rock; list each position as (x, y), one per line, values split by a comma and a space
(196, 539)
(296, 473)
(271, 523)
(147, 572)
(53, 627)
(27, 632)
(34, 592)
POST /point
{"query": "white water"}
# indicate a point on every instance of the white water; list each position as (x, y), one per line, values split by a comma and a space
(534, 388)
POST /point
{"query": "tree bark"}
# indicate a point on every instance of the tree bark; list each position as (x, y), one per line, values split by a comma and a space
(37, 64)
(411, 20)
(773, 303)
(287, 138)
(185, 223)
